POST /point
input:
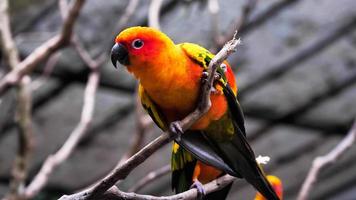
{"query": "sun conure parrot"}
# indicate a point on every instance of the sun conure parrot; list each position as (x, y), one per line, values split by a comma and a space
(170, 78)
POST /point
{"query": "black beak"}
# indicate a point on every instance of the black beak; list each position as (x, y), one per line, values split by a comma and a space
(119, 53)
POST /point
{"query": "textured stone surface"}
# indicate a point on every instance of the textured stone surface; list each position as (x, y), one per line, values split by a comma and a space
(91, 162)
(197, 19)
(3, 189)
(338, 111)
(348, 194)
(300, 85)
(55, 121)
(290, 31)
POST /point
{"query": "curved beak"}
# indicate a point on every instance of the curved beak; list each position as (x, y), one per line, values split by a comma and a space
(119, 54)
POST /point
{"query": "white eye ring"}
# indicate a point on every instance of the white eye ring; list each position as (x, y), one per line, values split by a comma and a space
(137, 44)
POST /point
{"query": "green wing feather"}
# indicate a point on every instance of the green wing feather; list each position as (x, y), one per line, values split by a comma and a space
(234, 150)
(202, 57)
(182, 162)
(152, 109)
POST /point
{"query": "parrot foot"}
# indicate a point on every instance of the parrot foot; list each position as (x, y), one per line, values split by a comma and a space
(215, 91)
(217, 77)
(204, 77)
(205, 74)
(199, 186)
(176, 128)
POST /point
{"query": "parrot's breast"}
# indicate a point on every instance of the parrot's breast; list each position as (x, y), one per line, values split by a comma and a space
(177, 93)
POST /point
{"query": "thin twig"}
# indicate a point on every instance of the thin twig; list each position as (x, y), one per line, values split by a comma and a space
(123, 171)
(24, 103)
(47, 71)
(150, 177)
(44, 51)
(153, 13)
(321, 162)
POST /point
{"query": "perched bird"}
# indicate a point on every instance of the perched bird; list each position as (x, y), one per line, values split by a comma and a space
(170, 77)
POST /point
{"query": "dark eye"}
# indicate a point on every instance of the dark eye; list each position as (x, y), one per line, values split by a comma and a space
(137, 44)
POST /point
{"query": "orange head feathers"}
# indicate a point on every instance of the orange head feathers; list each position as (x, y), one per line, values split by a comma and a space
(138, 48)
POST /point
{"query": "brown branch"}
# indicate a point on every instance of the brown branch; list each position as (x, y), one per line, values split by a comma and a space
(63, 153)
(322, 162)
(191, 194)
(83, 126)
(115, 194)
(47, 71)
(150, 177)
(93, 64)
(44, 51)
(8, 45)
(123, 170)
(153, 13)
(24, 103)
(25, 138)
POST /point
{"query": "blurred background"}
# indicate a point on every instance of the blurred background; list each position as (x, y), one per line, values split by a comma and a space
(296, 72)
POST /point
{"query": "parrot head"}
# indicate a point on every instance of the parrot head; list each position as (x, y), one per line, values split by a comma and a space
(139, 48)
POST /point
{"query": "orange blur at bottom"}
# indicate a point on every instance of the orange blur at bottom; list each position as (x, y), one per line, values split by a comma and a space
(276, 183)
(205, 173)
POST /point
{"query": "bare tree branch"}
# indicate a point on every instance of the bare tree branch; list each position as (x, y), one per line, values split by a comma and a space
(123, 170)
(7, 42)
(47, 71)
(321, 162)
(153, 13)
(115, 194)
(151, 177)
(63, 153)
(25, 138)
(44, 51)
(87, 112)
(24, 103)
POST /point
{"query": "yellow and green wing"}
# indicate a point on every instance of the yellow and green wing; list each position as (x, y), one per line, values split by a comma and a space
(203, 57)
(182, 162)
(152, 109)
(234, 155)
